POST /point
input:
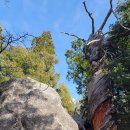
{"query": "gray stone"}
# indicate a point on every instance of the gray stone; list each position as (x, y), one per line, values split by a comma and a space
(26, 104)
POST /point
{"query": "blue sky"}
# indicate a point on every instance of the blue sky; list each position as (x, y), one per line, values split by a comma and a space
(36, 16)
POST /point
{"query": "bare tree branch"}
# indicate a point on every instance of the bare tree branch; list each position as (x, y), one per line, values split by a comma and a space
(91, 17)
(73, 35)
(119, 20)
(106, 18)
(111, 10)
(93, 41)
(10, 39)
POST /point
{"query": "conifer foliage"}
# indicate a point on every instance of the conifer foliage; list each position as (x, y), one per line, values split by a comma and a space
(37, 61)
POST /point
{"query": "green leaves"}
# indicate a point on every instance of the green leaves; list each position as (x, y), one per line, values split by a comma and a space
(79, 69)
(36, 62)
(119, 66)
(65, 97)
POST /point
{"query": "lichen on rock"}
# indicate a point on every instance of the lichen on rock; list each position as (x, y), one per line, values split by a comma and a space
(26, 104)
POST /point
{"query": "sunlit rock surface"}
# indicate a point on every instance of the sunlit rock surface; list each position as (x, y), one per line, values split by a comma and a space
(26, 104)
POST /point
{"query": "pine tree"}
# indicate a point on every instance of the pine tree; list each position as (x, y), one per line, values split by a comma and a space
(36, 62)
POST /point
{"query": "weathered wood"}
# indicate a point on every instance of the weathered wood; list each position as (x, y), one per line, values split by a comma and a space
(96, 49)
(101, 108)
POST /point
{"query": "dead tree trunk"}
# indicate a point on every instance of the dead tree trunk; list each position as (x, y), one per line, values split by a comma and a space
(101, 109)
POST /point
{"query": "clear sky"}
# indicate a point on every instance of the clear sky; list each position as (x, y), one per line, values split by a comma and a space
(36, 16)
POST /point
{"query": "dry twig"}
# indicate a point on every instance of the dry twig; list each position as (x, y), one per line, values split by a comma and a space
(91, 17)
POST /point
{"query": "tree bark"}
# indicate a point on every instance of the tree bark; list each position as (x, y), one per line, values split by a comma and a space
(101, 108)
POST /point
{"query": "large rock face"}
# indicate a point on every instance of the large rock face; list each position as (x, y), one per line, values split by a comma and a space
(26, 104)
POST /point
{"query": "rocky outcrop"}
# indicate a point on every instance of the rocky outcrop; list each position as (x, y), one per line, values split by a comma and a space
(26, 104)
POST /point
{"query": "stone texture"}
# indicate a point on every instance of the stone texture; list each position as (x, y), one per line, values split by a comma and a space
(26, 104)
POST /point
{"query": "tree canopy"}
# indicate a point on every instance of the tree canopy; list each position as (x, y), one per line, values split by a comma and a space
(37, 61)
(79, 69)
(65, 97)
